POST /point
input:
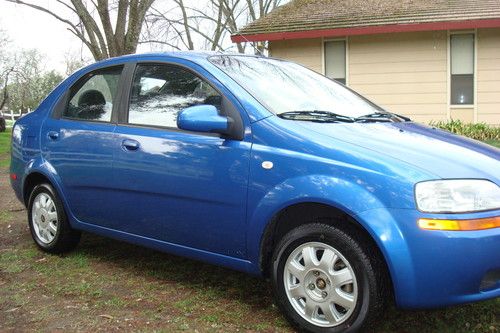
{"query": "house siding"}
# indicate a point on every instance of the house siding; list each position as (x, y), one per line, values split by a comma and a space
(407, 73)
(307, 52)
(488, 76)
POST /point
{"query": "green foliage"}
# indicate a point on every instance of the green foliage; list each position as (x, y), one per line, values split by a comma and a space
(480, 131)
(493, 143)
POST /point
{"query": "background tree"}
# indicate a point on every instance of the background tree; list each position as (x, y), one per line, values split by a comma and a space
(73, 61)
(191, 24)
(91, 22)
(29, 83)
(6, 67)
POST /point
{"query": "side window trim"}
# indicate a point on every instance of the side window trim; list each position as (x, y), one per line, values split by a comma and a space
(120, 114)
(63, 103)
(229, 106)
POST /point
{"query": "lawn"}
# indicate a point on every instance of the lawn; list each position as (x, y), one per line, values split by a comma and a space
(5, 148)
(107, 285)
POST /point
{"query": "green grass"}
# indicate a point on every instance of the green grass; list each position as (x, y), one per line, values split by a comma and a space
(495, 143)
(5, 148)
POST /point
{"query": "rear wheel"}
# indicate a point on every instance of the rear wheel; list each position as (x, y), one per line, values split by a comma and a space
(48, 222)
(325, 281)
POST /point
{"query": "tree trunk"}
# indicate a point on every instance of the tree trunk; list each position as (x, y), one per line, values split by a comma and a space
(99, 36)
(5, 94)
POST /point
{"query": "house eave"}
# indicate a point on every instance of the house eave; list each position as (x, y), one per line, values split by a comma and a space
(368, 30)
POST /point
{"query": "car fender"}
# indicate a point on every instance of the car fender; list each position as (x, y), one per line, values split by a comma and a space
(347, 196)
(43, 167)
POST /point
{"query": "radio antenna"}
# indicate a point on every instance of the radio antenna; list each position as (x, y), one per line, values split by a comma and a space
(259, 52)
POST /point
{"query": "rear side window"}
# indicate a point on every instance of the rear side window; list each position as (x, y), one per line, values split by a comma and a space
(161, 91)
(93, 97)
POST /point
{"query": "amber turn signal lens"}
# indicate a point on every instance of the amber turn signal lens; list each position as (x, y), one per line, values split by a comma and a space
(460, 225)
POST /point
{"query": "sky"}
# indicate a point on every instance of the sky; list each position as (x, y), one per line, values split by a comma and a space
(28, 28)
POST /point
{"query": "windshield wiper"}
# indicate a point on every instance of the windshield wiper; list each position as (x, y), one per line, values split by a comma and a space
(316, 116)
(386, 117)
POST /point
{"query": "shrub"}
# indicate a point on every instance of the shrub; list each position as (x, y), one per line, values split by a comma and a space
(480, 131)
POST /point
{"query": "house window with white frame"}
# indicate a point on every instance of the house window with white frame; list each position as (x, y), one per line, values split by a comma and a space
(335, 60)
(462, 69)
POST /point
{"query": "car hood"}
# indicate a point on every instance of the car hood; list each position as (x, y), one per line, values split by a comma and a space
(441, 153)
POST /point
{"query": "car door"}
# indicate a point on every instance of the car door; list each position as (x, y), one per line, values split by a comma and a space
(176, 186)
(77, 140)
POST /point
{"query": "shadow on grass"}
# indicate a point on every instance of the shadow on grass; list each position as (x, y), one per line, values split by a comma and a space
(213, 283)
(219, 285)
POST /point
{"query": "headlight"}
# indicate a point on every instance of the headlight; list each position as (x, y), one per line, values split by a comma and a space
(457, 196)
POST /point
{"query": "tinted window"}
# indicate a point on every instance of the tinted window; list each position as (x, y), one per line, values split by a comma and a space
(160, 92)
(92, 99)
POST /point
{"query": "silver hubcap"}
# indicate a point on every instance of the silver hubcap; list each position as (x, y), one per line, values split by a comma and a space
(320, 284)
(44, 217)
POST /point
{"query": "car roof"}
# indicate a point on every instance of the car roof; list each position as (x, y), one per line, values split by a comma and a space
(199, 57)
(195, 56)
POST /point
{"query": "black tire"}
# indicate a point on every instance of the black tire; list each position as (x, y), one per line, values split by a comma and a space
(65, 238)
(367, 268)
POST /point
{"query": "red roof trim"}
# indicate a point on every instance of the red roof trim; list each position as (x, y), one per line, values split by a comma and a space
(369, 30)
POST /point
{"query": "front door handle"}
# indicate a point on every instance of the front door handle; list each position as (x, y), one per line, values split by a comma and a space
(53, 135)
(129, 144)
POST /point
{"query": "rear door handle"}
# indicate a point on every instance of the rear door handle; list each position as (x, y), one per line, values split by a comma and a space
(53, 135)
(129, 144)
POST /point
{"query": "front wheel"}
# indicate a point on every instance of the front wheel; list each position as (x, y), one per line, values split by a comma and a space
(325, 281)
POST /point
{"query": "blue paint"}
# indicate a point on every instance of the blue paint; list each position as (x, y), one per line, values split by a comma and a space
(208, 197)
(202, 118)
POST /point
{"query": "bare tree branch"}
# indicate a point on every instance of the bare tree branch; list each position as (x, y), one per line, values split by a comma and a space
(160, 42)
(97, 33)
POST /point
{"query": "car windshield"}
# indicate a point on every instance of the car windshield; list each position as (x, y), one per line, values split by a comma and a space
(295, 92)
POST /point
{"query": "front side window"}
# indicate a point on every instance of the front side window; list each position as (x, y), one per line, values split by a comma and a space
(335, 60)
(284, 87)
(93, 98)
(161, 91)
(462, 69)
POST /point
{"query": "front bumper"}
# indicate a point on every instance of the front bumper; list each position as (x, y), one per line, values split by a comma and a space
(432, 268)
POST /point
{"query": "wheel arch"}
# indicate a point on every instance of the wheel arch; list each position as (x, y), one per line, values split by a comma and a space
(31, 181)
(307, 212)
(39, 170)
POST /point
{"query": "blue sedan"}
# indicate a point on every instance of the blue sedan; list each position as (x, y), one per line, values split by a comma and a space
(264, 166)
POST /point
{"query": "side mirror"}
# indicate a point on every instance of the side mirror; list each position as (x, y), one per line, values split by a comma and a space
(203, 118)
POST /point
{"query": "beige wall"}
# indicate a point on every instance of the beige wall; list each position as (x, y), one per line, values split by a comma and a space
(407, 73)
(303, 51)
(488, 76)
